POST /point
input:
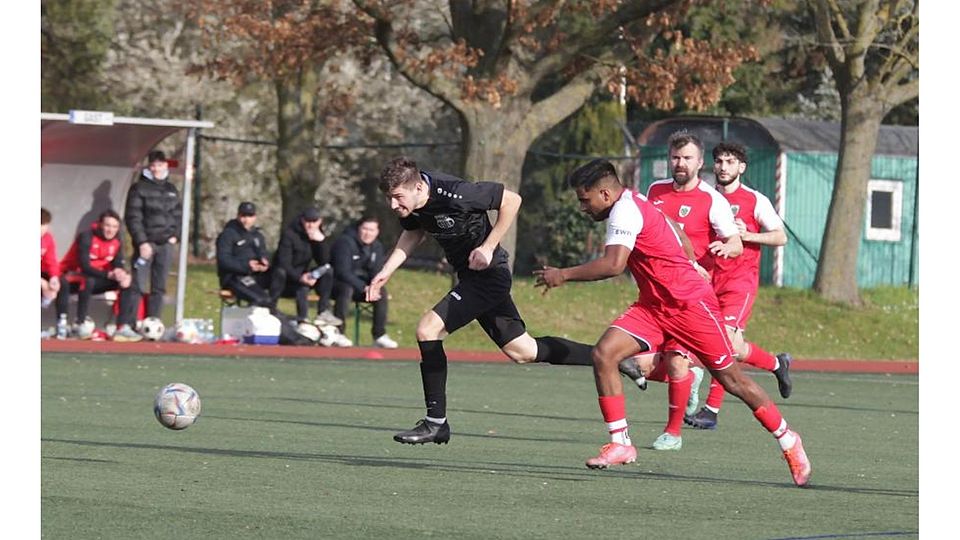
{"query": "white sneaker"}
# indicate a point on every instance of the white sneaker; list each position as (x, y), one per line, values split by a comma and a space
(384, 342)
(342, 341)
(327, 319)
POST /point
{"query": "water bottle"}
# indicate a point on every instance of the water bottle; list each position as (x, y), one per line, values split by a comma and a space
(319, 271)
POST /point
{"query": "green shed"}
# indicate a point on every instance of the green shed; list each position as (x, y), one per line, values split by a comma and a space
(793, 162)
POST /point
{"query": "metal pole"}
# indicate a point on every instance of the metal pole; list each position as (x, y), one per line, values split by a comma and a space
(913, 236)
(195, 232)
(185, 221)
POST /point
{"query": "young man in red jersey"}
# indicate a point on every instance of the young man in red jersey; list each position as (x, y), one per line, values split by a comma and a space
(736, 280)
(674, 302)
(706, 219)
(49, 268)
(94, 265)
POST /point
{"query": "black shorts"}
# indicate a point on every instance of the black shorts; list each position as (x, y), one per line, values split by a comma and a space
(484, 296)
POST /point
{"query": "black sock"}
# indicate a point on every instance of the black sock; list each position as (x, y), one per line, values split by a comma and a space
(433, 372)
(555, 350)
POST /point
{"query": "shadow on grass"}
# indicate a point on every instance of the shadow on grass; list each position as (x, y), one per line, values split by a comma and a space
(420, 408)
(512, 469)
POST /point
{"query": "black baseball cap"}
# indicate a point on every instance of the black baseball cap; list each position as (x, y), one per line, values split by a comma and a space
(310, 214)
(247, 208)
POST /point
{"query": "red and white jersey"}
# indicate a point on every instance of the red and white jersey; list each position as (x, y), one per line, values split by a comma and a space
(664, 274)
(702, 213)
(742, 273)
(48, 256)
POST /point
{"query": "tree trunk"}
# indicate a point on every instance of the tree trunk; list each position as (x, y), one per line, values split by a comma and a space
(836, 278)
(495, 145)
(297, 165)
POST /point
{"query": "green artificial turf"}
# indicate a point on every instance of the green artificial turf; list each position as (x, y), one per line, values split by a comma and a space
(303, 449)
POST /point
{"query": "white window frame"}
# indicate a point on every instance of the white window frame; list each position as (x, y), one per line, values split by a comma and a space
(894, 187)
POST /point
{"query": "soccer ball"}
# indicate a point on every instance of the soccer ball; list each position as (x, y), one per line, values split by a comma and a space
(152, 328)
(177, 406)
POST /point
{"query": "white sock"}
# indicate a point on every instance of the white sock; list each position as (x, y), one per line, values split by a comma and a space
(618, 432)
(436, 420)
(776, 363)
(714, 410)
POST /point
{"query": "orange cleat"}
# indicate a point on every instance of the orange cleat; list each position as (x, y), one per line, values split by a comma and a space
(799, 463)
(613, 454)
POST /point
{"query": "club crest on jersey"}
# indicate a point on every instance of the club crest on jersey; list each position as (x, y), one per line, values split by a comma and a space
(444, 221)
(735, 208)
(684, 211)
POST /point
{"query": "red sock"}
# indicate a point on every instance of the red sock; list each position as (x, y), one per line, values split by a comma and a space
(613, 408)
(715, 397)
(760, 358)
(769, 416)
(659, 373)
(678, 392)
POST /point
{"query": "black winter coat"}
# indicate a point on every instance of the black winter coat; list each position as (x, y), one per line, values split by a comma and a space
(297, 254)
(236, 247)
(354, 262)
(153, 211)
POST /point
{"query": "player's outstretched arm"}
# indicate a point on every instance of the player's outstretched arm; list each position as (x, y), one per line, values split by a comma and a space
(612, 263)
(507, 213)
(408, 241)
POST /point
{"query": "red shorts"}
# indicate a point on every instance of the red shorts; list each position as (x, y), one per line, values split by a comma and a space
(736, 308)
(698, 330)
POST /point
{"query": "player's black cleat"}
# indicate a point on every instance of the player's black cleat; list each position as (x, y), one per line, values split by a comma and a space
(628, 367)
(783, 374)
(424, 432)
(704, 419)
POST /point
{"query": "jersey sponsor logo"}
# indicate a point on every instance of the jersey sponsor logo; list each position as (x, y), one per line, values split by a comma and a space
(456, 295)
(720, 360)
(657, 202)
(684, 211)
(735, 208)
(730, 318)
(444, 221)
(619, 232)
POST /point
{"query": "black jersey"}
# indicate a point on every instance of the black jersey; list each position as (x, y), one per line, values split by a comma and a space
(456, 216)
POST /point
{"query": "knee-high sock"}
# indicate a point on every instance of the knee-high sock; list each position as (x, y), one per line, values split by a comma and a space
(678, 392)
(433, 373)
(556, 350)
(760, 358)
(771, 419)
(715, 397)
(614, 410)
(659, 373)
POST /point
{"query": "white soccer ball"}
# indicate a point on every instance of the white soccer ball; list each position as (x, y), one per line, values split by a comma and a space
(308, 331)
(177, 406)
(152, 328)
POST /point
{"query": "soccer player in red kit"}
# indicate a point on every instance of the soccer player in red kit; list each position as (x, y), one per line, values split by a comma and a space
(674, 302)
(736, 280)
(49, 266)
(706, 219)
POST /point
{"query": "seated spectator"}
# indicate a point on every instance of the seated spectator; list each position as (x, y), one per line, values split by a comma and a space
(357, 257)
(242, 261)
(94, 265)
(49, 267)
(302, 264)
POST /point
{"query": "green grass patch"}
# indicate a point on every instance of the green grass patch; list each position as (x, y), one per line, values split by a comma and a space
(303, 449)
(795, 320)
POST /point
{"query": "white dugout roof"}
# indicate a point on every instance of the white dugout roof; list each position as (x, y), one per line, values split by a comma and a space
(88, 160)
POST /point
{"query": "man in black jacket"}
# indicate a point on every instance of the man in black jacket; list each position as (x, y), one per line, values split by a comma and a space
(357, 257)
(152, 216)
(302, 264)
(242, 261)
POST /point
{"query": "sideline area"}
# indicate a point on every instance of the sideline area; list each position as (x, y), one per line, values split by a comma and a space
(897, 367)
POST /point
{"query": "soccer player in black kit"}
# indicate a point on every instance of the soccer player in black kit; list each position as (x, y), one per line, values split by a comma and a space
(454, 212)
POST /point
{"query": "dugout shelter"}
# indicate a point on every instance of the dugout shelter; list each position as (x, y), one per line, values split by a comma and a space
(89, 160)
